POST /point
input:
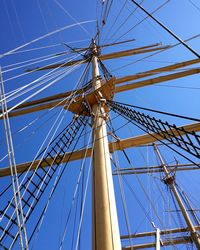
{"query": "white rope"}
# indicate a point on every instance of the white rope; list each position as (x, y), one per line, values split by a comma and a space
(48, 46)
(86, 187)
(51, 138)
(56, 105)
(39, 161)
(44, 36)
(41, 185)
(27, 213)
(81, 26)
(36, 60)
(50, 196)
(77, 184)
(32, 71)
(13, 170)
(36, 80)
(53, 76)
(40, 90)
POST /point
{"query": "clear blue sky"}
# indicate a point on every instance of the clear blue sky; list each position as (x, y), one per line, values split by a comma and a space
(24, 20)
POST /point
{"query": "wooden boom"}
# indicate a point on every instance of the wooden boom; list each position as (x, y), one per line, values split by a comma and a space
(113, 146)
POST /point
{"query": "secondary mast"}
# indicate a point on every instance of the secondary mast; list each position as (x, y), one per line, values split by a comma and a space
(105, 233)
(169, 180)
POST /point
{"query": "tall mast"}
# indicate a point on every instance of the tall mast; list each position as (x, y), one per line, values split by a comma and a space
(105, 233)
(169, 180)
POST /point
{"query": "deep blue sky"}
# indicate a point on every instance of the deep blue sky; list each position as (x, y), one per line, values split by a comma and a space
(24, 20)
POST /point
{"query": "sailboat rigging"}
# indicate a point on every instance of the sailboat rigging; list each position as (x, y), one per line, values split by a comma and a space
(97, 162)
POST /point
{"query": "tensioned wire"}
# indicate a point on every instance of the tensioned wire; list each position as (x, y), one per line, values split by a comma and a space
(65, 99)
(42, 37)
(79, 201)
(42, 15)
(48, 46)
(44, 151)
(18, 20)
(158, 52)
(56, 105)
(171, 47)
(141, 185)
(30, 60)
(161, 192)
(25, 190)
(170, 32)
(40, 221)
(146, 131)
(155, 73)
(107, 11)
(76, 190)
(86, 185)
(137, 177)
(13, 172)
(57, 178)
(187, 202)
(74, 19)
(188, 189)
(27, 185)
(47, 79)
(32, 71)
(53, 116)
(161, 112)
(153, 12)
(116, 164)
(37, 60)
(43, 88)
(194, 5)
(50, 73)
(74, 93)
(115, 20)
(111, 35)
(18, 92)
(122, 194)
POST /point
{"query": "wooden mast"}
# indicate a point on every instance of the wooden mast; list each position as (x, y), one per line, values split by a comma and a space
(105, 233)
(169, 180)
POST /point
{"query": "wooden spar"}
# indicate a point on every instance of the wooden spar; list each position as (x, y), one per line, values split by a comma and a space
(156, 169)
(156, 80)
(156, 71)
(172, 241)
(130, 53)
(106, 45)
(51, 101)
(135, 51)
(162, 232)
(113, 146)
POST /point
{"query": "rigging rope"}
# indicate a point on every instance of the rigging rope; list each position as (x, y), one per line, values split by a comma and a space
(56, 182)
(43, 88)
(161, 129)
(18, 209)
(44, 36)
(131, 14)
(158, 8)
(47, 172)
(160, 112)
(167, 29)
(75, 192)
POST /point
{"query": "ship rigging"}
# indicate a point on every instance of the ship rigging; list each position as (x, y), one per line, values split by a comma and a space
(85, 147)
